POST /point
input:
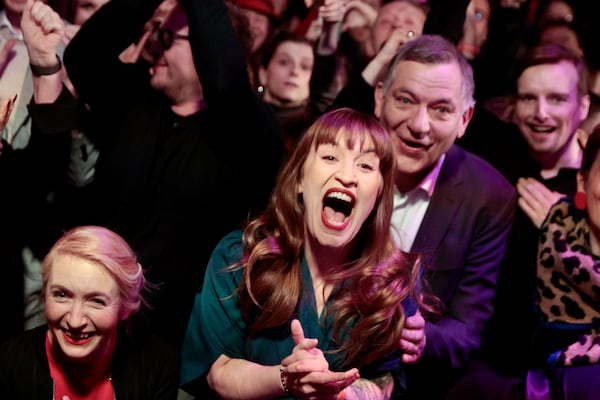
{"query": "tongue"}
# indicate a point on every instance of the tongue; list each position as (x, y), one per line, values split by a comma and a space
(333, 215)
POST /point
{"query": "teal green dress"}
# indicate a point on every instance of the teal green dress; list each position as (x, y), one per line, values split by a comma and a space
(216, 326)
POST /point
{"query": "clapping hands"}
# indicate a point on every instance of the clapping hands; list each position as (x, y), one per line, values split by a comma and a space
(306, 371)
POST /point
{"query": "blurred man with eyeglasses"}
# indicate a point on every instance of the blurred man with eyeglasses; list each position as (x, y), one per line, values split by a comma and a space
(173, 71)
(187, 150)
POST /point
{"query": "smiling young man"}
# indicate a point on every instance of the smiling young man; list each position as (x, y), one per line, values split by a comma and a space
(552, 101)
(449, 205)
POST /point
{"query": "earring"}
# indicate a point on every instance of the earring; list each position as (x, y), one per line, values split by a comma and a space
(260, 89)
(580, 201)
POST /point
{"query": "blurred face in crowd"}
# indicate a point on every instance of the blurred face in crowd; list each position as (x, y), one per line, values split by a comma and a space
(173, 72)
(397, 15)
(548, 108)
(259, 26)
(15, 7)
(84, 9)
(424, 111)
(82, 306)
(562, 35)
(340, 186)
(556, 10)
(475, 28)
(286, 79)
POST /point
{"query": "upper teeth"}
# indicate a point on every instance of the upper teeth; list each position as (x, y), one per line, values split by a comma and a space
(80, 336)
(542, 128)
(341, 196)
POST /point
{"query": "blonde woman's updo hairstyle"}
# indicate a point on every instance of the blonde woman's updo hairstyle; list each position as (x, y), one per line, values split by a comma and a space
(103, 247)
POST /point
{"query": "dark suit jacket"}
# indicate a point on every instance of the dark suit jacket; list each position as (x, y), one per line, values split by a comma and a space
(462, 240)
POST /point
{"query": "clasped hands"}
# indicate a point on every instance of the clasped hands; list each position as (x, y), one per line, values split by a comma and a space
(306, 371)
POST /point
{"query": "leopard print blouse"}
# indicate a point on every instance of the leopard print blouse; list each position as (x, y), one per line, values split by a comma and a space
(568, 283)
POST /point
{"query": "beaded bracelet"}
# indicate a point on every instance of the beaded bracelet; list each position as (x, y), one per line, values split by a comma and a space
(282, 379)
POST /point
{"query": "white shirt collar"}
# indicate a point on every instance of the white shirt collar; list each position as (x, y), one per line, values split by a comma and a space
(5, 23)
(428, 183)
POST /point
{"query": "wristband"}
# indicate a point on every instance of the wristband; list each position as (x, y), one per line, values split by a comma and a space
(282, 379)
(38, 70)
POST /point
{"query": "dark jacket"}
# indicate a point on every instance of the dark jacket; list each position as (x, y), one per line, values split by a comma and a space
(462, 240)
(143, 367)
(173, 186)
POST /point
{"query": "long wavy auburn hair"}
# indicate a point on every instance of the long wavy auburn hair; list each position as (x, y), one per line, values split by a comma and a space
(367, 312)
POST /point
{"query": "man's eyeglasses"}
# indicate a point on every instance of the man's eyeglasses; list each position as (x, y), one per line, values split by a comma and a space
(166, 37)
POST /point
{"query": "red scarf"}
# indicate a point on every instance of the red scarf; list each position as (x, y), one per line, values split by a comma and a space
(71, 383)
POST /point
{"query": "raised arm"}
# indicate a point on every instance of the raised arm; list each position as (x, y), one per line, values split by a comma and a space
(332, 14)
(92, 57)
(250, 130)
(446, 18)
(43, 31)
(322, 90)
(218, 56)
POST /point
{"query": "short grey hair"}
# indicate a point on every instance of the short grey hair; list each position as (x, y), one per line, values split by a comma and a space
(434, 49)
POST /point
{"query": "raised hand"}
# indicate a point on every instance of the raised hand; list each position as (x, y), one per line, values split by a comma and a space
(306, 371)
(327, 26)
(43, 31)
(332, 11)
(377, 67)
(535, 199)
(358, 15)
(305, 357)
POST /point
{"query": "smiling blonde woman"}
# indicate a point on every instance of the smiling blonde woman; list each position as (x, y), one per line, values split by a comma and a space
(89, 349)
